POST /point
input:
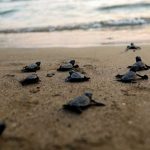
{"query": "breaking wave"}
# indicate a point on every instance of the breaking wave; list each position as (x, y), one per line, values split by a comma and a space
(125, 6)
(83, 26)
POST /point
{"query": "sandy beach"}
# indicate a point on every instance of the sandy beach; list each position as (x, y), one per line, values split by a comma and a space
(34, 115)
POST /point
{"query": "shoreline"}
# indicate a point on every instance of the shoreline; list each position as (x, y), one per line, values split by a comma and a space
(107, 44)
(121, 44)
(76, 38)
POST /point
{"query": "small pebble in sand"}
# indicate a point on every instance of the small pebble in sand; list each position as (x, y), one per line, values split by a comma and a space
(69, 125)
(130, 122)
(35, 90)
(57, 94)
(50, 74)
(9, 75)
(123, 104)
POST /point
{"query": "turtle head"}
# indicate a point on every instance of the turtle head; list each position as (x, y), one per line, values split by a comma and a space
(38, 63)
(138, 58)
(72, 62)
(88, 94)
(134, 69)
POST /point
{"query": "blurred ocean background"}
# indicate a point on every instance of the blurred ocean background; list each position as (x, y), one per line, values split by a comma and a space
(39, 23)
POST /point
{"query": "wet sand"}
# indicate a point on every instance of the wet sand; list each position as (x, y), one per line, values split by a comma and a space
(76, 38)
(34, 115)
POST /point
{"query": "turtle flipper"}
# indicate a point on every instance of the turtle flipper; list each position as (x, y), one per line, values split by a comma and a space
(137, 47)
(67, 79)
(95, 103)
(129, 67)
(126, 81)
(72, 108)
(63, 69)
(76, 66)
(147, 67)
(145, 77)
(2, 127)
(119, 76)
(38, 68)
(59, 69)
(24, 69)
(127, 48)
(77, 110)
(86, 78)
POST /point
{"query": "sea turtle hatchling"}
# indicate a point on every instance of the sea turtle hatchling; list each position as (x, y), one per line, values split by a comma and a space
(132, 47)
(2, 127)
(80, 103)
(75, 76)
(139, 65)
(32, 67)
(68, 66)
(130, 76)
(31, 79)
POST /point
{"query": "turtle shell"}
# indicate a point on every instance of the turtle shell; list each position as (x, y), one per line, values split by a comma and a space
(31, 67)
(66, 66)
(80, 101)
(139, 65)
(31, 79)
(131, 75)
(77, 75)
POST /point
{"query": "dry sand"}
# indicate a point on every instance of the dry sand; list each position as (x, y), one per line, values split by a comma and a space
(34, 116)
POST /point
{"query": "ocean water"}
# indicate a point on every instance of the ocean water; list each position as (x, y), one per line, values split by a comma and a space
(51, 16)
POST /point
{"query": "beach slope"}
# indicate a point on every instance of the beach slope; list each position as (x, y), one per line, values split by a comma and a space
(34, 115)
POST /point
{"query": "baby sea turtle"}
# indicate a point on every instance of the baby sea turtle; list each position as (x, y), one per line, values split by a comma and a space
(132, 47)
(130, 76)
(68, 66)
(139, 65)
(2, 127)
(31, 79)
(80, 103)
(32, 67)
(76, 77)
